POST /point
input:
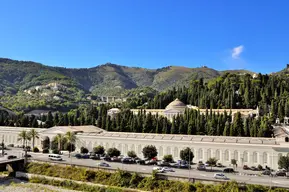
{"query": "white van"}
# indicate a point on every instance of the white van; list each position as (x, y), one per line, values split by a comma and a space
(55, 157)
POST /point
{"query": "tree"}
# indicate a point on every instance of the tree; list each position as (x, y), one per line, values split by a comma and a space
(187, 154)
(131, 154)
(59, 139)
(149, 151)
(212, 162)
(24, 137)
(71, 139)
(33, 135)
(284, 162)
(168, 158)
(113, 152)
(83, 150)
(99, 150)
(234, 162)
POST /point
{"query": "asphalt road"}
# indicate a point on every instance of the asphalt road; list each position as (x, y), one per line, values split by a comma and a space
(251, 177)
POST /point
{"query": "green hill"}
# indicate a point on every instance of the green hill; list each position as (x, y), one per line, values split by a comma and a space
(30, 85)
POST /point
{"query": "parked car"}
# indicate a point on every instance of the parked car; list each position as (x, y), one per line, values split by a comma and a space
(220, 176)
(168, 169)
(253, 168)
(140, 161)
(151, 162)
(103, 164)
(220, 165)
(266, 172)
(94, 157)
(28, 156)
(201, 167)
(163, 163)
(85, 156)
(11, 157)
(228, 170)
(281, 173)
(246, 167)
(128, 160)
(78, 156)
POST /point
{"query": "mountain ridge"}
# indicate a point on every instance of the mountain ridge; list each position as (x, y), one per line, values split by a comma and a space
(20, 84)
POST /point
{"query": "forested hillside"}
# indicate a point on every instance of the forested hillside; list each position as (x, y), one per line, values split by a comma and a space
(27, 85)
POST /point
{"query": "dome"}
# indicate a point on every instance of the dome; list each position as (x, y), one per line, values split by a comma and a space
(176, 104)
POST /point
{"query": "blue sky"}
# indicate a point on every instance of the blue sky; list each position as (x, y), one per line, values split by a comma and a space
(221, 34)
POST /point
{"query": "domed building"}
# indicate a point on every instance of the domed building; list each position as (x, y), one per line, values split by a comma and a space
(174, 108)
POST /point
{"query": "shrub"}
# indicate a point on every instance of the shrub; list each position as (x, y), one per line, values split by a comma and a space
(149, 151)
(98, 150)
(46, 150)
(113, 152)
(131, 154)
(168, 158)
(260, 167)
(55, 151)
(10, 145)
(35, 150)
(83, 150)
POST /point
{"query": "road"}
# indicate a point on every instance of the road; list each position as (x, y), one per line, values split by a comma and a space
(251, 177)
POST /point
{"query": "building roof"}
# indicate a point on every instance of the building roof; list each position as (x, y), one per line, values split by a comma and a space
(76, 129)
(185, 138)
(176, 104)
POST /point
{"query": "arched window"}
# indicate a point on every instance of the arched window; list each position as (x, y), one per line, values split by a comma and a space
(160, 151)
(139, 149)
(227, 156)
(255, 157)
(176, 152)
(209, 153)
(125, 149)
(200, 154)
(265, 157)
(169, 151)
(236, 155)
(89, 146)
(218, 154)
(132, 148)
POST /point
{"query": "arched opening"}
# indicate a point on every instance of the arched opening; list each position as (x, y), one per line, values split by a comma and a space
(45, 143)
(245, 156)
(255, 157)
(286, 139)
(227, 155)
(218, 154)
(265, 157)
(209, 154)
(200, 154)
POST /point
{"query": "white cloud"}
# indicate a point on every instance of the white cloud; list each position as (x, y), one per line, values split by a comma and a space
(236, 51)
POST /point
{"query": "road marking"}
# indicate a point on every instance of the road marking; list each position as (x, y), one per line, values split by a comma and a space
(143, 169)
(203, 175)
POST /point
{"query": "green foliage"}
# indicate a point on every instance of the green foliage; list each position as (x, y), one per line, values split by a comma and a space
(131, 154)
(168, 158)
(83, 150)
(113, 152)
(149, 151)
(45, 150)
(284, 162)
(35, 150)
(99, 150)
(126, 180)
(187, 154)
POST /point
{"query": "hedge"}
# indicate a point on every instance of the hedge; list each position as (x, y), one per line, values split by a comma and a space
(128, 180)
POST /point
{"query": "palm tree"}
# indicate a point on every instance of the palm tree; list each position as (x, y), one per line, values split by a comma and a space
(60, 138)
(33, 134)
(24, 136)
(71, 139)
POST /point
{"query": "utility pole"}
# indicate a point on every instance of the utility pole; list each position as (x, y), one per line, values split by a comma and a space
(25, 156)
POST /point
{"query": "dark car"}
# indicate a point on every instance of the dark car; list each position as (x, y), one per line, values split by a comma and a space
(94, 157)
(266, 172)
(11, 157)
(85, 156)
(28, 156)
(128, 160)
(281, 173)
(228, 170)
(164, 163)
(78, 156)
(246, 167)
(140, 161)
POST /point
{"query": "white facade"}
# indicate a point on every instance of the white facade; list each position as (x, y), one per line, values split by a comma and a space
(247, 151)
